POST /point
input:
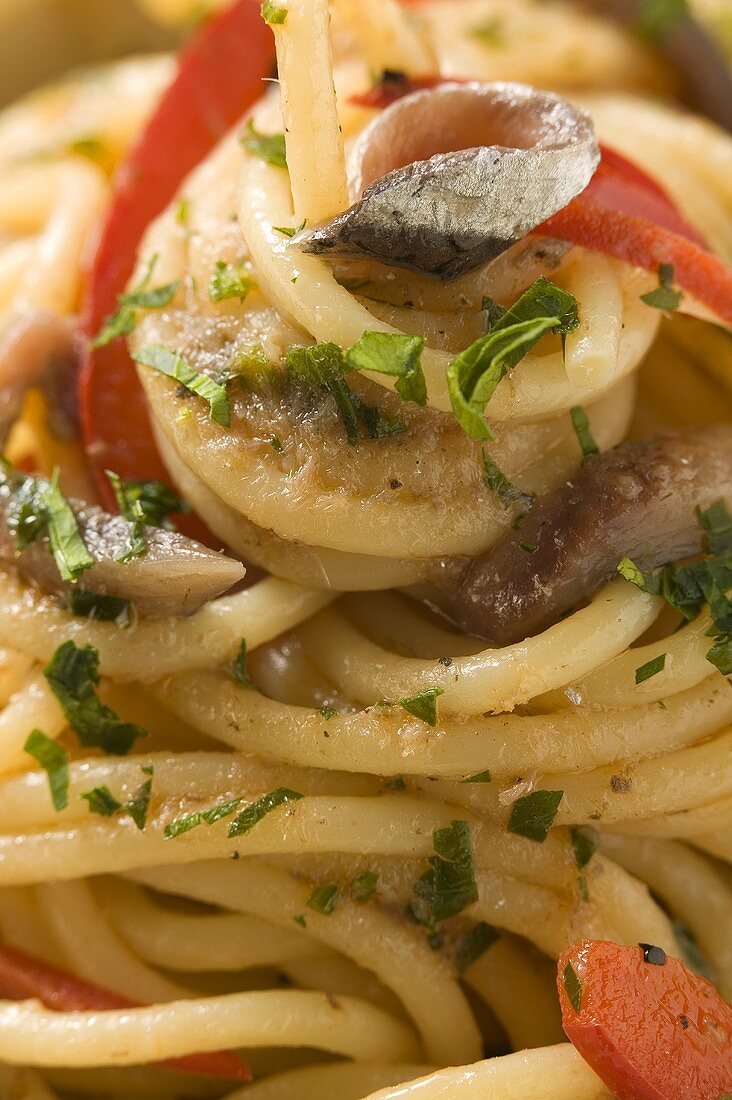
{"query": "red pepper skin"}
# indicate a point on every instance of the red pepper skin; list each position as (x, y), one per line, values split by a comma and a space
(22, 976)
(219, 77)
(650, 1032)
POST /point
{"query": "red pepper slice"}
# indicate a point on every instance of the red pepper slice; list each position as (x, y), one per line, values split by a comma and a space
(219, 77)
(23, 976)
(650, 1028)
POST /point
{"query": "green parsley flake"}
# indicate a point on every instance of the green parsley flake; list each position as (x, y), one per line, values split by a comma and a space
(585, 842)
(474, 944)
(325, 899)
(253, 814)
(102, 801)
(664, 296)
(478, 777)
(138, 806)
(174, 366)
(229, 281)
(290, 230)
(396, 355)
(490, 33)
(327, 712)
(123, 322)
(54, 759)
(507, 493)
(717, 523)
(657, 18)
(323, 365)
(449, 885)
(533, 815)
(268, 147)
(573, 986)
(650, 668)
(423, 705)
(240, 671)
(581, 426)
(473, 376)
(301, 919)
(182, 212)
(103, 609)
(364, 885)
(273, 14)
(72, 675)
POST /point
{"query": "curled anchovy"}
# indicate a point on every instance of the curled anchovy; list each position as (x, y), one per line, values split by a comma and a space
(450, 177)
(637, 500)
(174, 577)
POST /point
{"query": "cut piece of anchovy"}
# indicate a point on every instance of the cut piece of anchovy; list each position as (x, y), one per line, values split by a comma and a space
(637, 500)
(175, 576)
(448, 178)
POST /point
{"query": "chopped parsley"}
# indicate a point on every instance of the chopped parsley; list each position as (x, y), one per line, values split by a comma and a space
(478, 777)
(182, 212)
(688, 587)
(229, 281)
(102, 801)
(38, 509)
(474, 944)
(473, 376)
(174, 366)
(301, 919)
(253, 814)
(650, 668)
(273, 14)
(423, 705)
(123, 322)
(363, 886)
(491, 33)
(533, 815)
(201, 817)
(507, 493)
(290, 230)
(657, 18)
(396, 355)
(449, 885)
(240, 671)
(323, 365)
(103, 609)
(585, 842)
(72, 675)
(325, 899)
(54, 759)
(327, 712)
(573, 986)
(268, 147)
(137, 806)
(581, 426)
(664, 296)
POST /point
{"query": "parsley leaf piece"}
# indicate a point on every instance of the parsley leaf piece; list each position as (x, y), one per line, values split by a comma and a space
(396, 355)
(156, 298)
(301, 919)
(172, 365)
(423, 705)
(182, 212)
(630, 572)
(656, 18)
(72, 675)
(720, 655)
(533, 815)
(664, 296)
(240, 671)
(498, 483)
(474, 944)
(268, 147)
(325, 899)
(273, 14)
(154, 502)
(379, 426)
(324, 365)
(137, 806)
(102, 801)
(327, 712)
(67, 545)
(581, 426)
(363, 886)
(252, 814)
(585, 842)
(479, 777)
(573, 986)
(131, 510)
(206, 817)
(717, 522)
(102, 609)
(123, 322)
(290, 230)
(650, 668)
(54, 759)
(182, 825)
(473, 376)
(449, 886)
(229, 281)
(491, 32)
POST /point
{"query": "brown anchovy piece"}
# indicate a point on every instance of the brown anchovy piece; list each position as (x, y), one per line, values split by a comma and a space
(637, 500)
(174, 577)
(449, 177)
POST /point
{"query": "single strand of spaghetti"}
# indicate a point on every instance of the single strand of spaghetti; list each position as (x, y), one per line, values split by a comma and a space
(183, 941)
(33, 1035)
(388, 741)
(682, 824)
(592, 350)
(150, 649)
(391, 947)
(549, 1073)
(14, 668)
(717, 843)
(315, 154)
(92, 949)
(691, 887)
(341, 976)
(33, 706)
(346, 1080)
(385, 36)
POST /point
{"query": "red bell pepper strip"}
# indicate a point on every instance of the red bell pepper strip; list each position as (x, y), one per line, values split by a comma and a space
(22, 976)
(219, 77)
(650, 1028)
